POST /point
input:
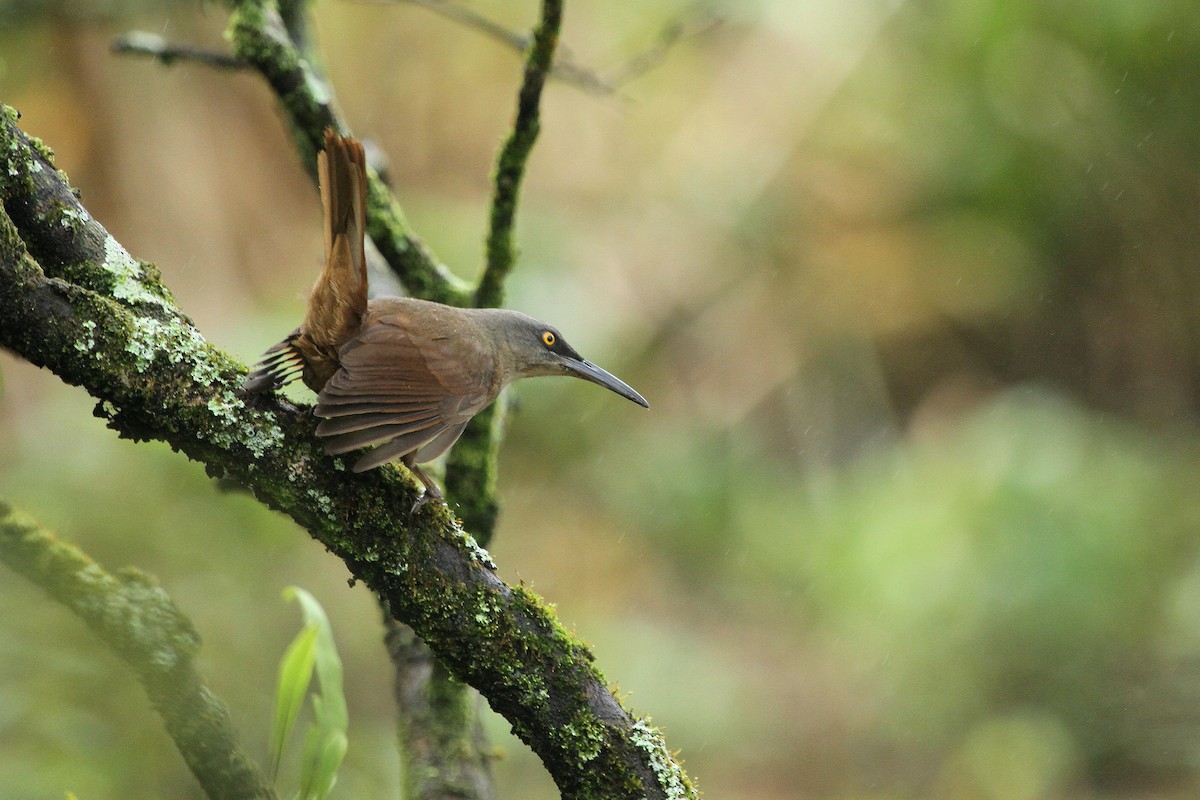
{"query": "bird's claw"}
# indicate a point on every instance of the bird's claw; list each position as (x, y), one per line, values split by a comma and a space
(426, 498)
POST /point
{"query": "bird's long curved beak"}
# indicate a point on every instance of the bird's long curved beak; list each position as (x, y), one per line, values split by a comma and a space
(582, 368)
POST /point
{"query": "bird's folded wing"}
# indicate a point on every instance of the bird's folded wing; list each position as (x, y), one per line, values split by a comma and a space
(389, 392)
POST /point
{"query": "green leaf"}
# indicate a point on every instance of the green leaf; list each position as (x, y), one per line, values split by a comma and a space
(325, 741)
(324, 749)
(329, 665)
(295, 674)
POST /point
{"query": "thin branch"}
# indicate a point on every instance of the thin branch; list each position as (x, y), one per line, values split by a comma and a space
(73, 300)
(470, 18)
(564, 67)
(142, 43)
(510, 165)
(471, 469)
(136, 619)
(691, 22)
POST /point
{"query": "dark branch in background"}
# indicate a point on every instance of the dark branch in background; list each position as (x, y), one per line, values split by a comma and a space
(445, 752)
(138, 622)
(73, 300)
(141, 43)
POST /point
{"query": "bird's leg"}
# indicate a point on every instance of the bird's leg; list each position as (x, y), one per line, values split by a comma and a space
(432, 492)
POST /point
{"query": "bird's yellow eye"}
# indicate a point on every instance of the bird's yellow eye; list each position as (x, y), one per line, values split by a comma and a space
(548, 338)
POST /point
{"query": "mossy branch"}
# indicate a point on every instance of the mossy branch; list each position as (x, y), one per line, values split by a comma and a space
(136, 619)
(472, 466)
(510, 165)
(471, 471)
(73, 300)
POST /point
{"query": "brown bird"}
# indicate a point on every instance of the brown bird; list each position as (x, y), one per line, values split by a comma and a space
(402, 375)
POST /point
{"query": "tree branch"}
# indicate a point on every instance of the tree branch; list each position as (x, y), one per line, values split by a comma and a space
(471, 470)
(137, 620)
(445, 752)
(151, 45)
(74, 301)
(563, 68)
(260, 37)
(510, 165)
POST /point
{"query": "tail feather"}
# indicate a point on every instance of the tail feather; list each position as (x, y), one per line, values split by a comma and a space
(279, 366)
(339, 297)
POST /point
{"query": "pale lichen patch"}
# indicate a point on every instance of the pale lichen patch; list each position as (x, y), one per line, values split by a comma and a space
(257, 434)
(670, 776)
(86, 345)
(474, 551)
(261, 436)
(176, 341)
(323, 501)
(127, 276)
(225, 406)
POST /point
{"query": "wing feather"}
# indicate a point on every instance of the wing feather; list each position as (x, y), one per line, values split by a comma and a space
(357, 422)
(380, 434)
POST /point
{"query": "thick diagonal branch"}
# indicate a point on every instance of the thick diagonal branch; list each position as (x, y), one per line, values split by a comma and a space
(74, 301)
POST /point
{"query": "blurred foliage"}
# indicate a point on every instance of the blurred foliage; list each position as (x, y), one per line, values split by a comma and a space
(911, 288)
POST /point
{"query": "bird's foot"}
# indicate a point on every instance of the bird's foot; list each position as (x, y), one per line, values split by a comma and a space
(432, 492)
(426, 498)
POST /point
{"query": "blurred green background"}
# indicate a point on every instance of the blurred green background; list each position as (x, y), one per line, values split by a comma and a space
(911, 287)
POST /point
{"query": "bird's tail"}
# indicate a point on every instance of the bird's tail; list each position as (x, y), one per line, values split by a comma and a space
(339, 297)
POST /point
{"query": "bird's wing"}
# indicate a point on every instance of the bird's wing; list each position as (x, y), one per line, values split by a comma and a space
(402, 390)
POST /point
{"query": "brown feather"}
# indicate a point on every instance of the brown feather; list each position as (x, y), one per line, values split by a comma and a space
(338, 299)
(396, 378)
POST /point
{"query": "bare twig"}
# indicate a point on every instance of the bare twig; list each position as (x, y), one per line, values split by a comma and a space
(142, 43)
(564, 68)
(691, 22)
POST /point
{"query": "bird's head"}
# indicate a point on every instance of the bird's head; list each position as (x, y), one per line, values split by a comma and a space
(536, 348)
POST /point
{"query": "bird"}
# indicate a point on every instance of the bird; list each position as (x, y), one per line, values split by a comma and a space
(400, 375)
